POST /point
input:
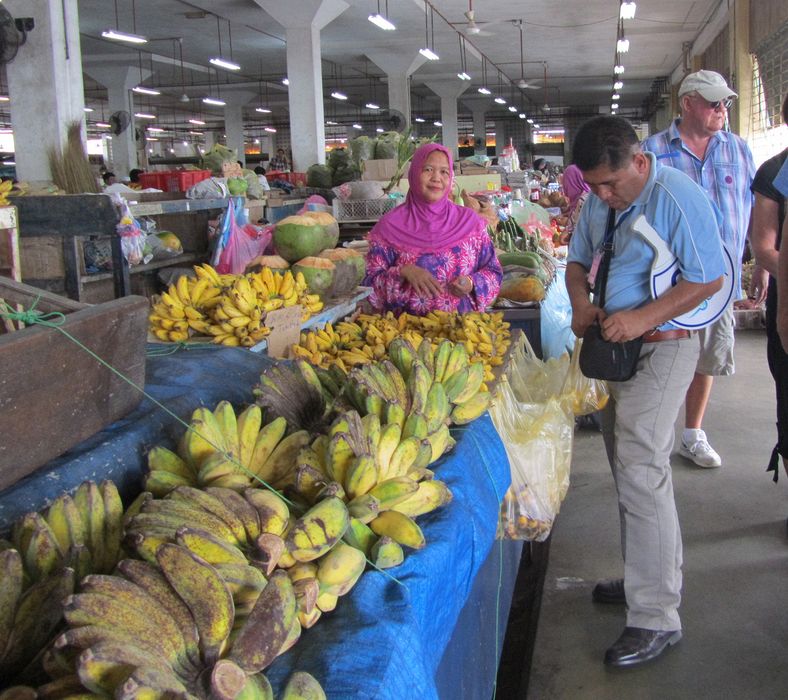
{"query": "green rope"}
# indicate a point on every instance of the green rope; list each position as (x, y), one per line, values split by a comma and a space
(55, 320)
(172, 348)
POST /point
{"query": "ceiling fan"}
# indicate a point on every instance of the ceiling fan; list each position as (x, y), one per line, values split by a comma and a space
(522, 83)
(472, 27)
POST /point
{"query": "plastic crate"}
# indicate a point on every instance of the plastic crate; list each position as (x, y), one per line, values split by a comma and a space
(173, 180)
(362, 209)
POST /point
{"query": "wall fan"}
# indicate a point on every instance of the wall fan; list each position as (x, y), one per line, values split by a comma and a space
(13, 34)
(119, 121)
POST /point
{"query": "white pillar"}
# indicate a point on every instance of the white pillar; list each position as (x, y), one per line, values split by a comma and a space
(119, 80)
(500, 137)
(479, 130)
(303, 21)
(449, 92)
(398, 68)
(234, 121)
(45, 83)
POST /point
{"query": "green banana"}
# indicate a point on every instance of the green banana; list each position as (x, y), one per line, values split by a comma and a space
(474, 383)
(419, 383)
(79, 558)
(244, 581)
(113, 526)
(422, 461)
(339, 455)
(228, 679)
(437, 408)
(426, 354)
(302, 686)
(216, 466)
(386, 553)
(309, 481)
(403, 457)
(402, 355)
(471, 409)
(212, 505)
(393, 491)
(458, 359)
(319, 445)
(148, 683)
(256, 687)
(441, 355)
(361, 476)
(430, 495)
(66, 522)
(279, 466)
(400, 528)
(319, 529)
(359, 535)
(415, 426)
(376, 405)
(213, 549)
(228, 424)
(339, 570)
(439, 442)
(89, 502)
(205, 593)
(306, 592)
(395, 413)
(203, 438)
(268, 626)
(326, 601)
(271, 509)
(292, 636)
(456, 383)
(106, 666)
(364, 508)
(11, 586)
(248, 427)
(162, 459)
(160, 482)
(390, 437)
(42, 553)
(309, 374)
(372, 430)
(398, 381)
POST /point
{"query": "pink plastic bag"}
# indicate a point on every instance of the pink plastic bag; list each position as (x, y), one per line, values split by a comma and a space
(242, 244)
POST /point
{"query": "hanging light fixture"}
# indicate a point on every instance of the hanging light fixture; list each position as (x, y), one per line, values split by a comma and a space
(618, 85)
(219, 61)
(463, 74)
(627, 10)
(382, 21)
(129, 37)
(429, 21)
(483, 89)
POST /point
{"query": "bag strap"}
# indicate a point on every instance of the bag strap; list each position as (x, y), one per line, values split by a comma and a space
(604, 265)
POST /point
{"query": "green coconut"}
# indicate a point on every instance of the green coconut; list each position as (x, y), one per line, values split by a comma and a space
(298, 237)
(275, 262)
(350, 268)
(318, 273)
(331, 224)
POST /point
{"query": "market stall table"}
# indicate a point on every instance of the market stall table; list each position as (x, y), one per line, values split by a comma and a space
(387, 638)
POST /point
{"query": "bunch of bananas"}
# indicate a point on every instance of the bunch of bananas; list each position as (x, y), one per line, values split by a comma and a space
(486, 338)
(5, 187)
(48, 553)
(229, 308)
(222, 449)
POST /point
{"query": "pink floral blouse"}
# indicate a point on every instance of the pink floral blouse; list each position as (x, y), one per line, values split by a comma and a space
(474, 256)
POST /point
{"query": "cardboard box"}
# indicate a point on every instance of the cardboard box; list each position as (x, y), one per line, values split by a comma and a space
(383, 169)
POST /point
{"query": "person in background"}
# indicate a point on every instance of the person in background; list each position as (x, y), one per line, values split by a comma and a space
(134, 178)
(721, 163)
(109, 178)
(576, 191)
(768, 217)
(540, 169)
(279, 161)
(430, 253)
(260, 172)
(638, 420)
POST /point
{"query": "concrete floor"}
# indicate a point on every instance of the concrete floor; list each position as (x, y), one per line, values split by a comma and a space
(735, 598)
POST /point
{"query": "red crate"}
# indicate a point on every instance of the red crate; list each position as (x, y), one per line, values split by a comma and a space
(173, 180)
(296, 179)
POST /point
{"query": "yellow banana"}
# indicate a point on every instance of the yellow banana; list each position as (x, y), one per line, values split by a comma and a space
(431, 494)
(339, 570)
(399, 527)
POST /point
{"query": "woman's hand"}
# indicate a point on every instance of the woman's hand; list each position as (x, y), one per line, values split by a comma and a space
(461, 286)
(424, 284)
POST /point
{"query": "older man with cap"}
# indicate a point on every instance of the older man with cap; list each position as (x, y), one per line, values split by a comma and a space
(722, 164)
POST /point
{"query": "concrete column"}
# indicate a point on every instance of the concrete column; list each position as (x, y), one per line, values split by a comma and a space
(398, 68)
(303, 21)
(234, 121)
(209, 138)
(45, 84)
(119, 80)
(500, 137)
(741, 69)
(449, 92)
(480, 130)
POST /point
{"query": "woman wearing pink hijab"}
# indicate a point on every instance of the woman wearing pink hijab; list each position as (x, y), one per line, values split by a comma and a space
(576, 190)
(430, 253)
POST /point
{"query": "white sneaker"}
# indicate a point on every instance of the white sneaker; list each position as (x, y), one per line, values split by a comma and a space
(700, 452)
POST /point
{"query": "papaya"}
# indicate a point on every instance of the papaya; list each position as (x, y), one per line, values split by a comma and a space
(529, 288)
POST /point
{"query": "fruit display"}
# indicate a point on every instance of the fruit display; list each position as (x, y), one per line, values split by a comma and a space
(228, 309)
(486, 338)
(318, 273)
(525, 288)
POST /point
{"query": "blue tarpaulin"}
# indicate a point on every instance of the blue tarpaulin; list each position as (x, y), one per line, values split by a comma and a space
(387, 637)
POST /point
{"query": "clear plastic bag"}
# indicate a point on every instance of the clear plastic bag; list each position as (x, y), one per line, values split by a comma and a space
(534, 380)
(538, 441)
(556, 317)
(132, 237)
(582, 394)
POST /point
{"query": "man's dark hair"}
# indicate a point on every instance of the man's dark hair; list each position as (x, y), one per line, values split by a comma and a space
(106, 176)
(604, 141)
(785, 109)
(259, 170)
(134, 174)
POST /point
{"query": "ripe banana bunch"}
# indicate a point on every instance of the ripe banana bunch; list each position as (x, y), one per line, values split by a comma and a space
(29, 614)
(82, 532)
(225, 450)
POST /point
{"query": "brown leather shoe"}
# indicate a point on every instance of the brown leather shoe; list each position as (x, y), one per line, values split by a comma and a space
(609, 592)
(637, 645)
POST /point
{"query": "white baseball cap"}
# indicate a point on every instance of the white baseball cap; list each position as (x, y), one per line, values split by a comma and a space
(709, 85)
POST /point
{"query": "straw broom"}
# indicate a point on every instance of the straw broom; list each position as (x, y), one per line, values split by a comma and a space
(71, 169)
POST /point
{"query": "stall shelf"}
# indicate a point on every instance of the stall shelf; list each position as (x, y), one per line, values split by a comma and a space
(388, 637)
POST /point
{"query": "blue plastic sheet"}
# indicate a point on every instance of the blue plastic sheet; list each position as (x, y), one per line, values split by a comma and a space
(385, 640)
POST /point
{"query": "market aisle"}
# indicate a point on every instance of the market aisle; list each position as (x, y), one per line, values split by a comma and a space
(735, 597)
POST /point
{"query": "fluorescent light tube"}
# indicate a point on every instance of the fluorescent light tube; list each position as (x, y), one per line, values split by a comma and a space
(123, 36)
(627, 10)
(270, 129)
(224, 63)
(437, 123)
(484, 91)
(622, 45)
(618, 69)
(463, 76)
(357, 126)
(145, 91)
(198, 122)
(512, 108)
(429, 54)
(213, 101)
(144, 115)
(372, 105)
(337, 95)
(500, 100)
(380, 21)
(263, 110)
(618, 85)
(419, 119)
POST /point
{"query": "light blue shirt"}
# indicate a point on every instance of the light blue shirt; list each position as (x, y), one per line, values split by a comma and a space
(781, 181)
(682, 216)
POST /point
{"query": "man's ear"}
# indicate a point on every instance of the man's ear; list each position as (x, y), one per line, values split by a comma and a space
(641, 162)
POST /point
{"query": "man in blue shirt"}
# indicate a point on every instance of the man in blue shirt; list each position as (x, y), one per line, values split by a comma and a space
(721, 163)
(638, 420)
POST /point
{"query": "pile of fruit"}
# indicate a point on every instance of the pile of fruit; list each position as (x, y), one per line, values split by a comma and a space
(485, 337)
(230, 309)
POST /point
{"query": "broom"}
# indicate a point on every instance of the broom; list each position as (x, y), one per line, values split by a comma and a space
(70, 168)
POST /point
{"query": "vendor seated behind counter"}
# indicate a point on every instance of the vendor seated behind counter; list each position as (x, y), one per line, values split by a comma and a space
(429, 253)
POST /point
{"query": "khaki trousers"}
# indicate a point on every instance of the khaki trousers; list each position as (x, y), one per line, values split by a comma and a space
(637, 426)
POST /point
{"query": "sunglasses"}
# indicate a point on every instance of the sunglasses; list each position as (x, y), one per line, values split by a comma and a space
(716, 105)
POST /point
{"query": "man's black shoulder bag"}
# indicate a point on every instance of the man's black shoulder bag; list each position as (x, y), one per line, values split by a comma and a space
(599, 358)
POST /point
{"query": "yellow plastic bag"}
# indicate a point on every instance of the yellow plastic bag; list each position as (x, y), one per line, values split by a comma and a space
(538, 442)
(582, 394)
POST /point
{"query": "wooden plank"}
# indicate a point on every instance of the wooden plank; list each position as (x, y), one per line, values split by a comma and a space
(19, 293)
(66, 215)
(53, 394)
(177, 206)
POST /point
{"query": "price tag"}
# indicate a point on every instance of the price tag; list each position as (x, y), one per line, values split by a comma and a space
(285, 325)
(490, 186)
